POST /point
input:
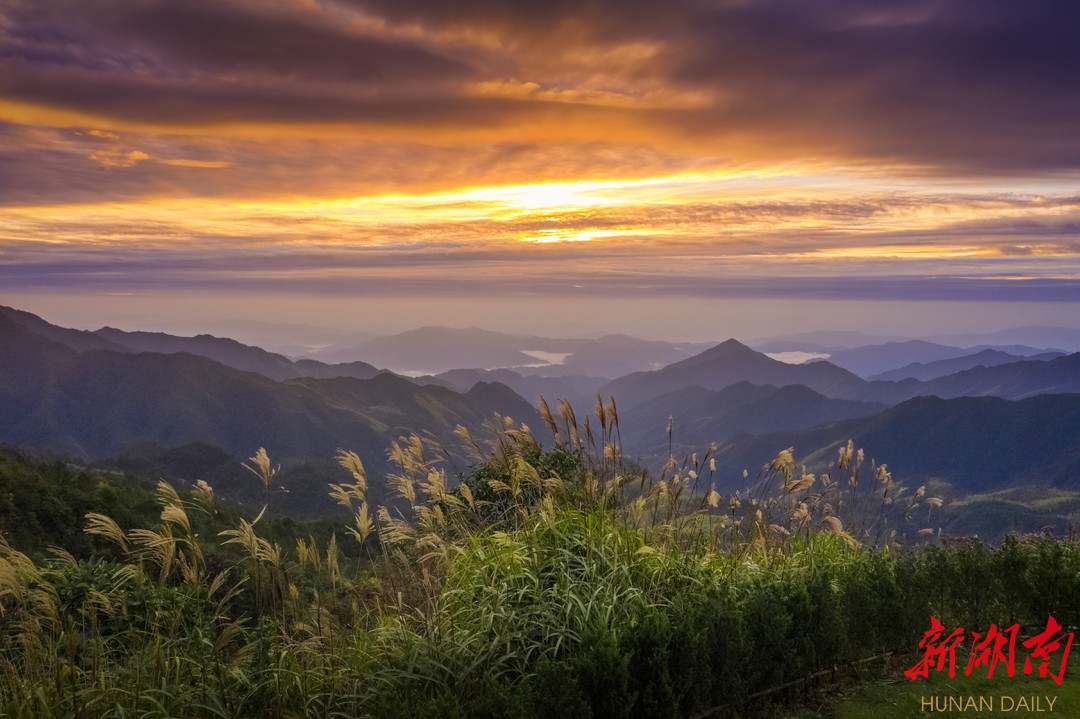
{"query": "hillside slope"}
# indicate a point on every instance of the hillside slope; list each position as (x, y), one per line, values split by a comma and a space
(98, 403)
(974, 443)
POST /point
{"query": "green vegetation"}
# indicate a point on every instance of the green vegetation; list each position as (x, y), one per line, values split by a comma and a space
(1020, 509)
(549, 583)
(44, 501)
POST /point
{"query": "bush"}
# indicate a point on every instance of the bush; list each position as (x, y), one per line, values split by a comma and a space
(536, 589)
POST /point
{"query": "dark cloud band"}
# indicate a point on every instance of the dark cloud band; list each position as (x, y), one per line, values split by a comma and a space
(971, 86)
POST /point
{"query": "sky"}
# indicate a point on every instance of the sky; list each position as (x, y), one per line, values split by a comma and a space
(673, 169)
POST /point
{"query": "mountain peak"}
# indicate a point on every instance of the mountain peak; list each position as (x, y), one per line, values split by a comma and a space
(727, 350)
(731, 362)
(732, 344)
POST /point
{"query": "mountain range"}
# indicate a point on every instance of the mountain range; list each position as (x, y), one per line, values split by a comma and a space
(1000, 418)
(872, 361)
(726, 364)
(972, 443)
(98, 402)
(578, 390)
(227, 351)
(1035, 336)
(436, 350)
(926, 371)
(701, 416)
(731, 362)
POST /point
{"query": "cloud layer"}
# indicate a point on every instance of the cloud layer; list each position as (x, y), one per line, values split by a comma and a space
(987, 84)
(601, 145)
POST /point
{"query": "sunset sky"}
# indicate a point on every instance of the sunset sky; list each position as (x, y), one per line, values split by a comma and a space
(567, 165)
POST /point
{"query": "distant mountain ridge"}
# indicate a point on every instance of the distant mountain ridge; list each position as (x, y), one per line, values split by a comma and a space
(437, 350)
(726, 364)
(1015, 380)
(78, 340)
(1063, 338)
(575, 389)
(96, 394)
(227, 351)
(975, 443)
(97, 403)
(613, 356)
(1037, 337)
(871, 361)
(430, 350)
(731, 362)
(700, 416)
(926, 371)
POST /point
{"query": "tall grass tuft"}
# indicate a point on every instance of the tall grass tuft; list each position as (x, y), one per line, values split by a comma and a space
(546, 581)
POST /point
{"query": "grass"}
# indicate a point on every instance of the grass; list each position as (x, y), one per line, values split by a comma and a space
(548, 582)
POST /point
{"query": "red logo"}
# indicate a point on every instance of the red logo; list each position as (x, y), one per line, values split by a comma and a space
(996, 646)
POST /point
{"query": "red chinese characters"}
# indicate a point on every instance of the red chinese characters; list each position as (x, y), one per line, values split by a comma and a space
(1044, 645)
(995, 647)
(936, 650)
(989, 650)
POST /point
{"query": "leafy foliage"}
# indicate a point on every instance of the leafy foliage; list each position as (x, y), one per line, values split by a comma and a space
(548, 582)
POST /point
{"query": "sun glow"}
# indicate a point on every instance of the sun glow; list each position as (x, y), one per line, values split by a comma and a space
(493, 206)
(732, 221)
(552, 236)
